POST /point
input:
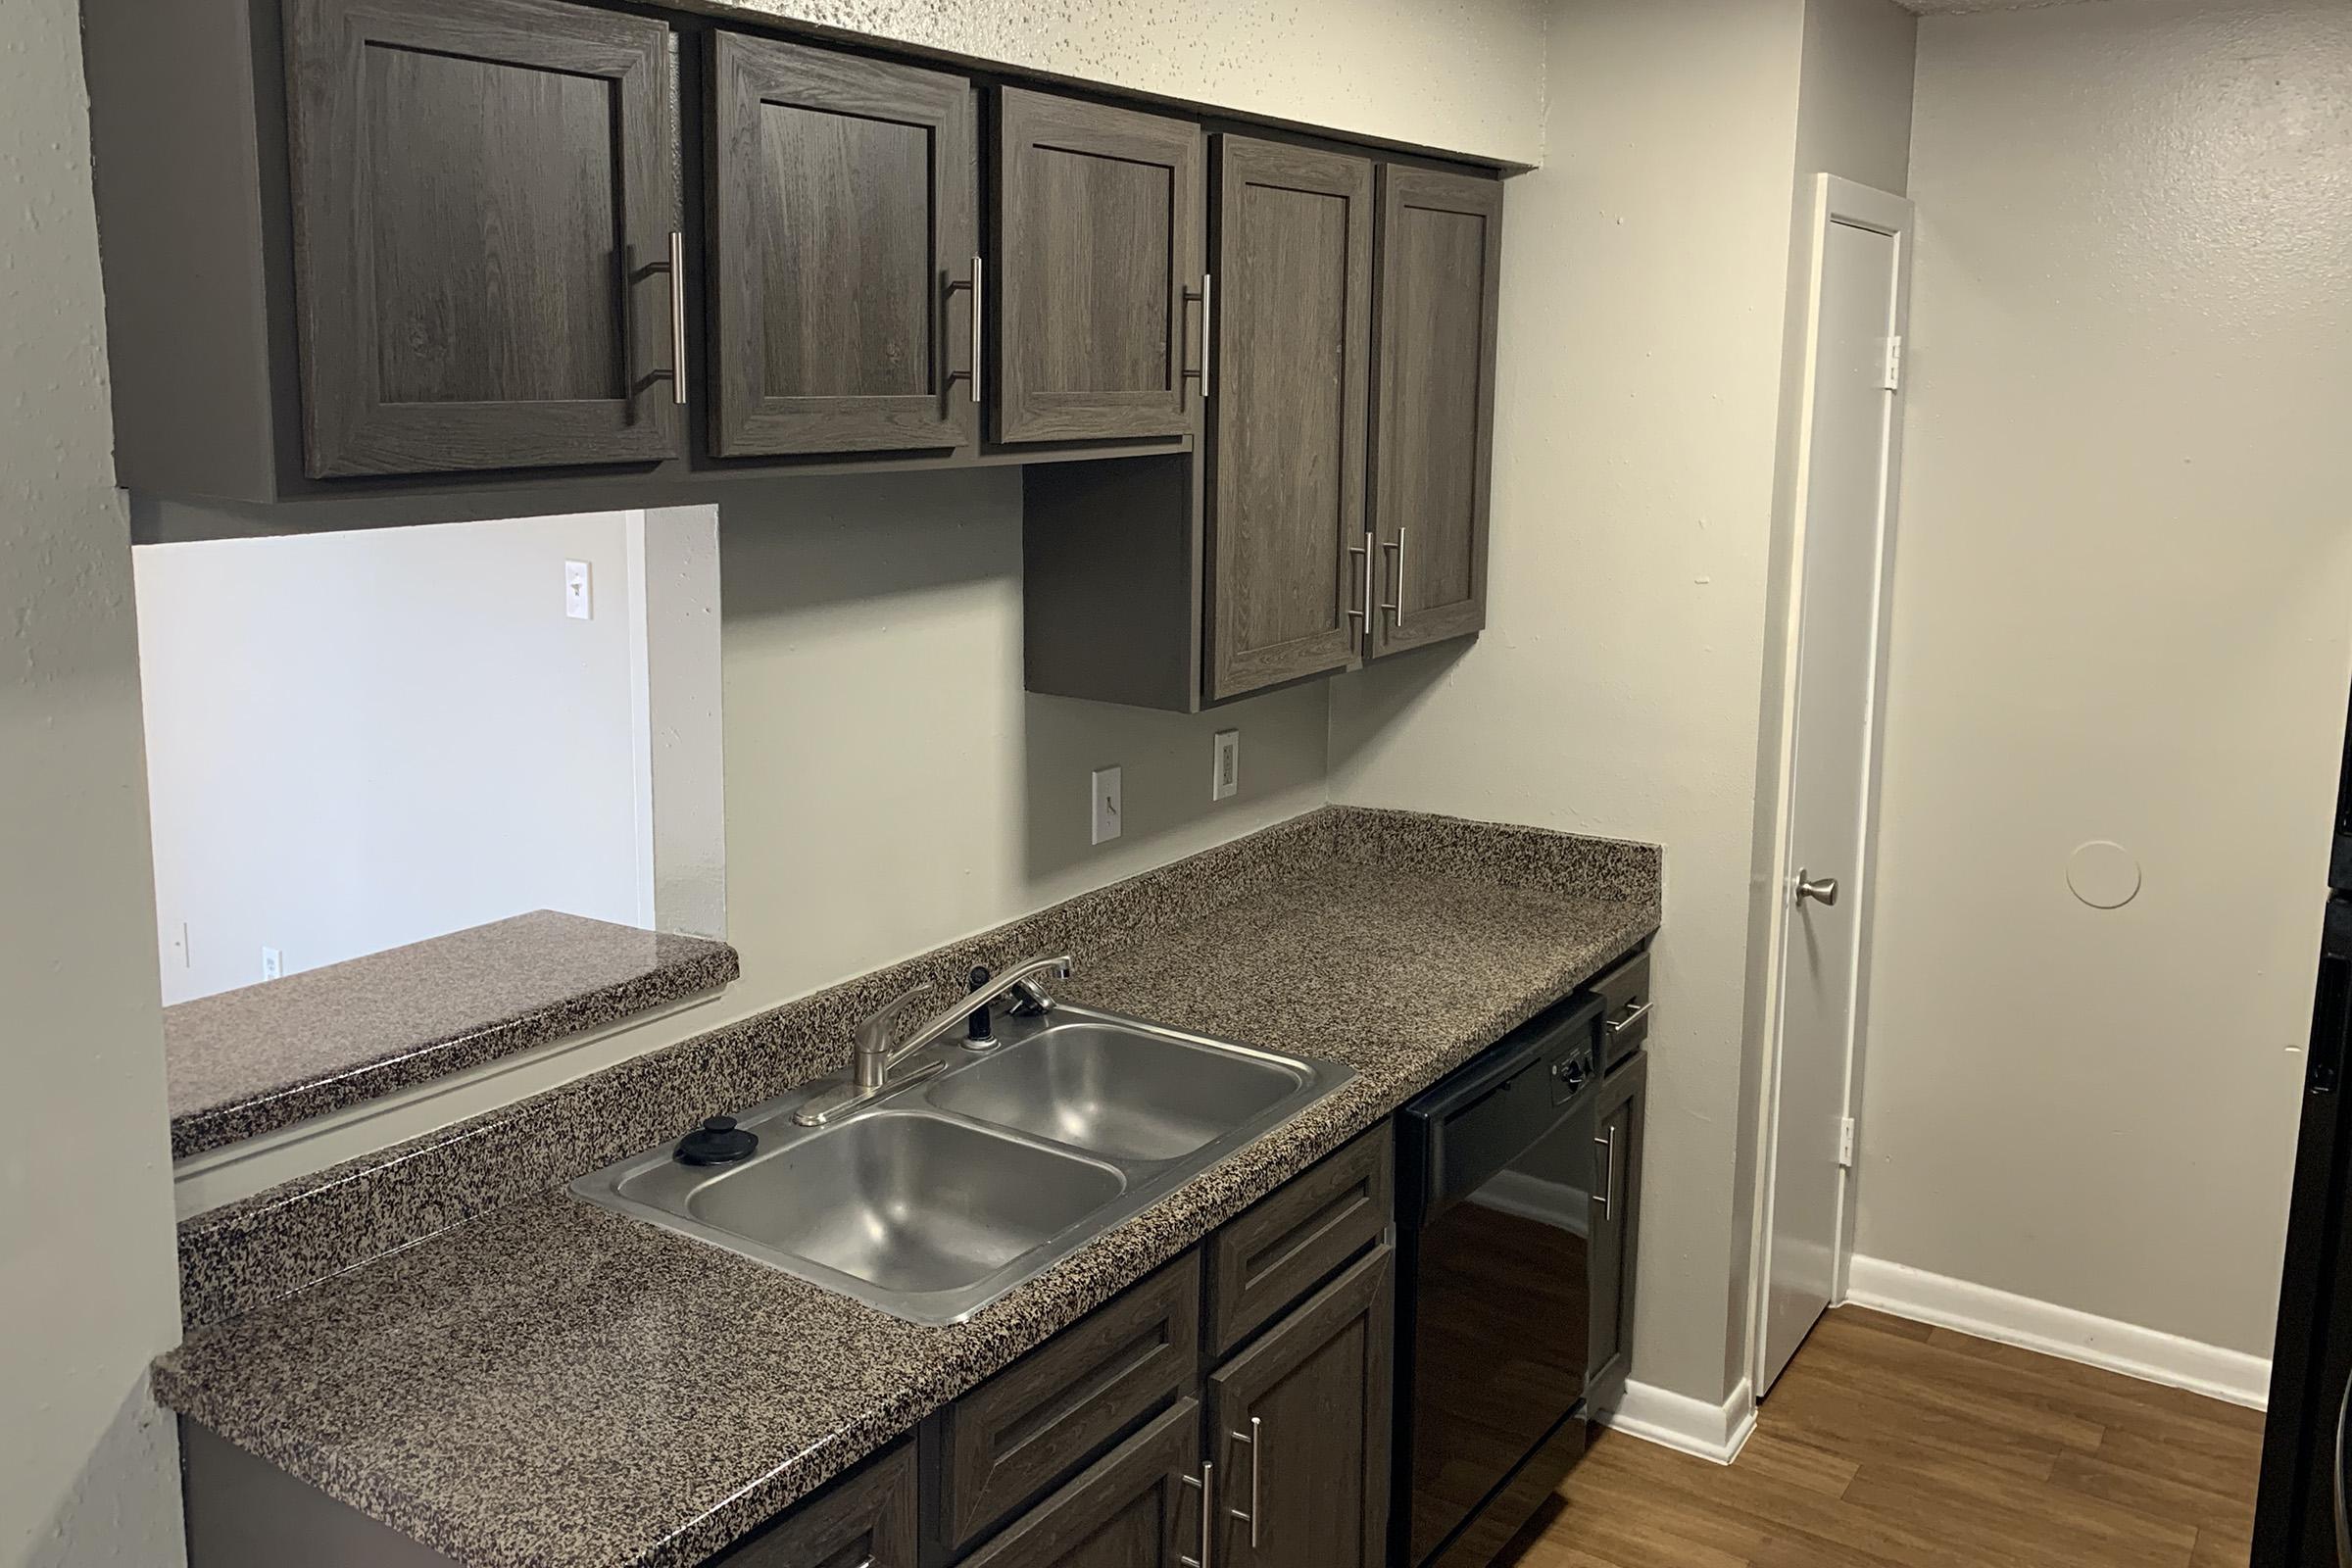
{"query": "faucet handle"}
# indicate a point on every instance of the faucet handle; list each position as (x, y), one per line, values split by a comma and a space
(873, 1033)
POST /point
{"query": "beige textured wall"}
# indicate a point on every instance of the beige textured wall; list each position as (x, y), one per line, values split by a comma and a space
(87, 1290)
(889, 784)
(1616, 691)
(2123, 598)
(1466, 76)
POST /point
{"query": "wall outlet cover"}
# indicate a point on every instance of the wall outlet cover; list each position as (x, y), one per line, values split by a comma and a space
(274, 963)
(1103, 806)
(1225, 776)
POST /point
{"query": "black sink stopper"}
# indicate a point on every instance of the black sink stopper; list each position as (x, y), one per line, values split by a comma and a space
(716, 1141)
(978, 1027)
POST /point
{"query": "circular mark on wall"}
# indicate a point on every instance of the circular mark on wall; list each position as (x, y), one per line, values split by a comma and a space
(2103, 874)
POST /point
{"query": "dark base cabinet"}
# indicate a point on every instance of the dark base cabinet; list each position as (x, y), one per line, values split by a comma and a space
(867, 1517)
(1300, 1423)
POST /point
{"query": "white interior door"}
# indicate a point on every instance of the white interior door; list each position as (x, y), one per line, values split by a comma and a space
(1845, 514)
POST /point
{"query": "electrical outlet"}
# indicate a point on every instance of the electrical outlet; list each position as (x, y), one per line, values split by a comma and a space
(1104, 806)
(577, 602)
(1225, 777)
(274, 963)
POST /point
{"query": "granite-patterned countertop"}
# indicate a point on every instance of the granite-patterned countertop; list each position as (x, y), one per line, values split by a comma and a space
(263, 1057)
(552, 1384)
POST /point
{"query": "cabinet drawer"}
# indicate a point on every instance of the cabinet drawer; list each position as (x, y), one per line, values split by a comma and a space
(1131, 1510)
(1039, 1421)
(867, 1518)
(1275, 1254)
(1624, 999)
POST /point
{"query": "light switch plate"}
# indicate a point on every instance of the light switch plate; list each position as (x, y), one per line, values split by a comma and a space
(577, 602)
(1225, 776)
(1104, 807)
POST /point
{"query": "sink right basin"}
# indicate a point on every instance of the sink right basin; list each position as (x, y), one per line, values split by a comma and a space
(1130, 1092)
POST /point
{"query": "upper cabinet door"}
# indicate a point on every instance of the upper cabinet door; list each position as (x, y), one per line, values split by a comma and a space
(1286, 545)
(483, 226)
(1441, 265)
(1098, 243)
(843, 258)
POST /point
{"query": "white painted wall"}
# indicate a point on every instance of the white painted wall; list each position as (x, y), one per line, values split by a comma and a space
(362, 739)
(89, 1291)
(1466, 76)
(2122, 607)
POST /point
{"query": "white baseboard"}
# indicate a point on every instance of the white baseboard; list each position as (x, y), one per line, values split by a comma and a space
(2061, 1330)
(1688, 1426)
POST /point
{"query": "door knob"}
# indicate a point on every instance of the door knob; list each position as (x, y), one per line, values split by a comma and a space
(1824, 890)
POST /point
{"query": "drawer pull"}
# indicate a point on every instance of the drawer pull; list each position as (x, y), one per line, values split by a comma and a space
(1618, 1026)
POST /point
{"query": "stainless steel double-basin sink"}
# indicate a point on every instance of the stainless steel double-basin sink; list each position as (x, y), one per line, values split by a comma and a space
(932, 1200)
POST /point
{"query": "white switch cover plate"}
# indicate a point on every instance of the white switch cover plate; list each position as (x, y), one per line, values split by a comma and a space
(1105, 804)
(575, 590)
(1225, 779)
(274, 963)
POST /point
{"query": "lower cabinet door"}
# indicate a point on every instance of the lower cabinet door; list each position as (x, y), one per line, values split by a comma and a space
(1615, 1230)
(1141, 1505)
(867, 1520)
(1298, 1428)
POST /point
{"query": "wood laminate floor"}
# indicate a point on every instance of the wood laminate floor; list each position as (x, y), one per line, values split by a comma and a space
(1890, 1444)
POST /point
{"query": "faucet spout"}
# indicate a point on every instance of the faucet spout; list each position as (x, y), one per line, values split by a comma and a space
(878, 1055)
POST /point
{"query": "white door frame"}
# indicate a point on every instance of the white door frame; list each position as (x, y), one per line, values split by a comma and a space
(1833, 201)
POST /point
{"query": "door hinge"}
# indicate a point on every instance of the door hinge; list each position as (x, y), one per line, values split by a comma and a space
(1846, 1144)
(1893, 378)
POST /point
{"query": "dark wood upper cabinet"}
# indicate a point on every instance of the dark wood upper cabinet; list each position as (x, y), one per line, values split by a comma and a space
(1099, 220)
(1616, 1230)
(1299, 1426)
(482, 218)
(1293, 327)
(842, 252)
(1441, 267)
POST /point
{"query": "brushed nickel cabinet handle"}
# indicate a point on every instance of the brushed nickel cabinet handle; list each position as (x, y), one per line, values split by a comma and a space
(1209, 284)
(1206, 1485)
(1396, 606)
(1255, 1436)
(1609, 1171)
(1632, 1016)
(678, 317)
(1364, 614)
(976, 285)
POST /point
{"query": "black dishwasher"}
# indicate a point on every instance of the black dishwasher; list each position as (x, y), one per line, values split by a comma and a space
(1496, 1171)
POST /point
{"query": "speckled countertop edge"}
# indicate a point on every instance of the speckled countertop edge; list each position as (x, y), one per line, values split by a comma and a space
(252, 1060)
(906, 1371)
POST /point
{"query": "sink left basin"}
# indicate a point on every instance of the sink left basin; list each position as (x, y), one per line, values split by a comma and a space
(867, 1197)
(910, 1210)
